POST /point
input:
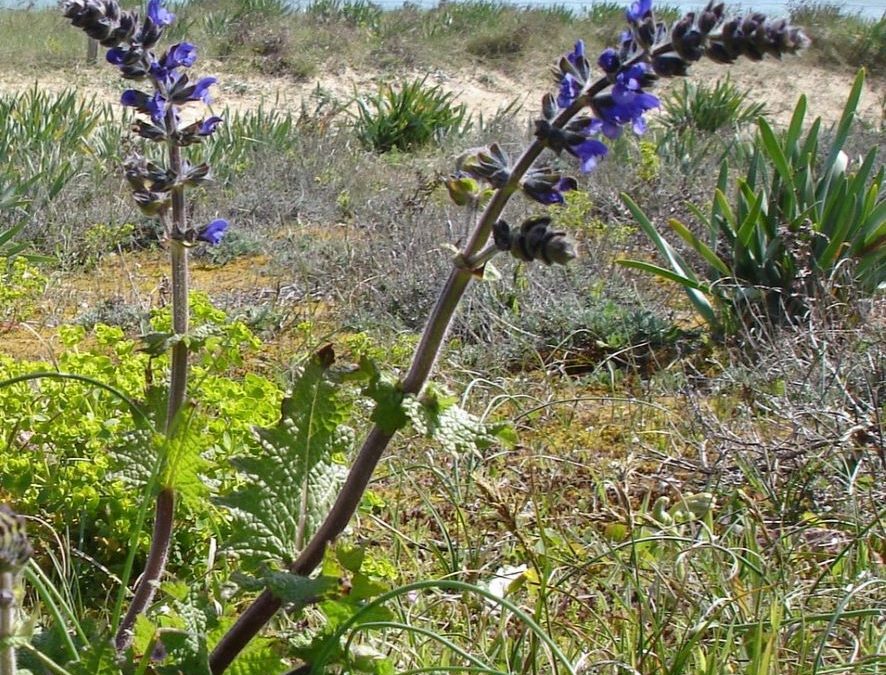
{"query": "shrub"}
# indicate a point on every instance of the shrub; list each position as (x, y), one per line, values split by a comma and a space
(62, 422)
(841, 37)
(694, 113)
(703, 108)
(360, 13)
(409, 117)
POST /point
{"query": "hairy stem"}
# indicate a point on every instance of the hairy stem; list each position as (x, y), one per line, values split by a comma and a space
(164, 511)
(266, 605)
(178, 376)
(7, 619)
(154, 566)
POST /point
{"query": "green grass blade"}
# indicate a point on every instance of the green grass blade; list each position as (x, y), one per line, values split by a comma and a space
(674, 259)
(663, 272)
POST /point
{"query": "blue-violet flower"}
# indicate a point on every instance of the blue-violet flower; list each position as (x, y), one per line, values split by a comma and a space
(639, 10)
(159, 14)
(213, 232)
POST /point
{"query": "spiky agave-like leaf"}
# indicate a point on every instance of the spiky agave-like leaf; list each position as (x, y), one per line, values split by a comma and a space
(290, 484)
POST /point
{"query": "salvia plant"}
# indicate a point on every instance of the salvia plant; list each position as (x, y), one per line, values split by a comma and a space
(296, 497)
(158, 189)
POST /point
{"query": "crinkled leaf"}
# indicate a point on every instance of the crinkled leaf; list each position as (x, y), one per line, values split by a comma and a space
(292, 480)
(185, 464)
(136, 456)
(260, 656)
(96, 658)
(180, 458)
(389, 413)
(260, 660)
(186, 652)
(437, 416)
(143, 634)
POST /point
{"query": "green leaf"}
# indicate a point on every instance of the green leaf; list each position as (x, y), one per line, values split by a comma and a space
(350, 557)
(693, 288)
(143, 634)
(775, 152)
(183, 460)
(261, 655)
(796, 125)
(186, 653)
(290, 588)
(388, 414)
(674, 258)
(724, 211)
(846, 119)
(437, 417)
(96, 658)
(750, 232)
(686, 282)
(699, 246)
(291, 481)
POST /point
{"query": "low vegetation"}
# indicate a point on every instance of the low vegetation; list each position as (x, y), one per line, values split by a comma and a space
(665, 457)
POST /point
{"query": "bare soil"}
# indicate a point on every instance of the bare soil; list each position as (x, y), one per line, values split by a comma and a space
(777, 83)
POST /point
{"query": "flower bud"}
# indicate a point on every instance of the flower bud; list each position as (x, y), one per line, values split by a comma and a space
(149, 130)
(686, 39)
(491, 164)
(719, 52)
(670, 65)
(196, 175)
(463, 189)
(707, 22)
(549, 107)
(609, 61)
(535, 240)
(151, 203)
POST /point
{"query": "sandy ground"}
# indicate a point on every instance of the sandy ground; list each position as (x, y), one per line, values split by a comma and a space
(778, 83)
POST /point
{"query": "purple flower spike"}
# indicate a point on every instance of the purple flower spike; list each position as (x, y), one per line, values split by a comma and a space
(639, 10)
(159, 14)
(213, 232)
(208, 126)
